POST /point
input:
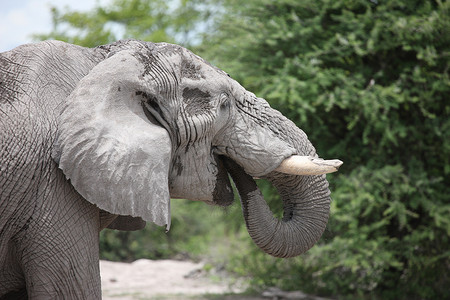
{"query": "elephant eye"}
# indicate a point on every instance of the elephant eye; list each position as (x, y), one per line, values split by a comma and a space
(224, 101)
(223, 111)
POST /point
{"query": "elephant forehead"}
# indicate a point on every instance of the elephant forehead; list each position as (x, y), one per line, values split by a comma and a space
(189, 65)
(191, 69)
(196, 68)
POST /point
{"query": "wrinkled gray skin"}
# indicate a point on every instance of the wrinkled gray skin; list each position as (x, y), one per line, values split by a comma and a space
(103, 137)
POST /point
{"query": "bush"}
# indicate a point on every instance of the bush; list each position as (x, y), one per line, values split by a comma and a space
(368, 81)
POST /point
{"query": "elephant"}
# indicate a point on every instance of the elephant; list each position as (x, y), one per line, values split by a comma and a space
(104, 137)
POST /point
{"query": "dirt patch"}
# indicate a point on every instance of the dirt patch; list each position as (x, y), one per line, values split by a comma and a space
(165, 279)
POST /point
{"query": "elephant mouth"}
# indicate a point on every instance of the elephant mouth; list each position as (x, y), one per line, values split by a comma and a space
(223, 194)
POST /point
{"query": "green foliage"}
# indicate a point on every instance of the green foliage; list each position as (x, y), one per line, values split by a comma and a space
(396, 241)
(369, 83)
(148, 20)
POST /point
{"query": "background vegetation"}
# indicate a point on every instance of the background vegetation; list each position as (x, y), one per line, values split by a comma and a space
(368, 81)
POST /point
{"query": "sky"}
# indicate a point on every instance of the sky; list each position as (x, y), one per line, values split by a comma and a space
(19, 19)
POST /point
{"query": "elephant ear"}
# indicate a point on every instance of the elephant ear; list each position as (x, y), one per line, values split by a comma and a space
(113, 154)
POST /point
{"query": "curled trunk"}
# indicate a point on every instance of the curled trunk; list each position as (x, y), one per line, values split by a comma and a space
(306, 208)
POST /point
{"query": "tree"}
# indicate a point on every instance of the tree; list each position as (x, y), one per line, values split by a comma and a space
(369, 83)
(149, 20)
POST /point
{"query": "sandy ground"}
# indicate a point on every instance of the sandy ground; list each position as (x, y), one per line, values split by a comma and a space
(165, 279)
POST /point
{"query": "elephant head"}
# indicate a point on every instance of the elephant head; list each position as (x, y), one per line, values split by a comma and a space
(154, 121)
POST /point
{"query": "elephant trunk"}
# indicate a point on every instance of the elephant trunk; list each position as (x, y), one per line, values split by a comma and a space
(306, 207)
(303, 190)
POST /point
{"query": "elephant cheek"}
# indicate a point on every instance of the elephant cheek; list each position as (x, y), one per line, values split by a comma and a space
(210, 184)
(194, 190)
(193, 183)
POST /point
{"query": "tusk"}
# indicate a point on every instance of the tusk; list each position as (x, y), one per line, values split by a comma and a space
(308, 165)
